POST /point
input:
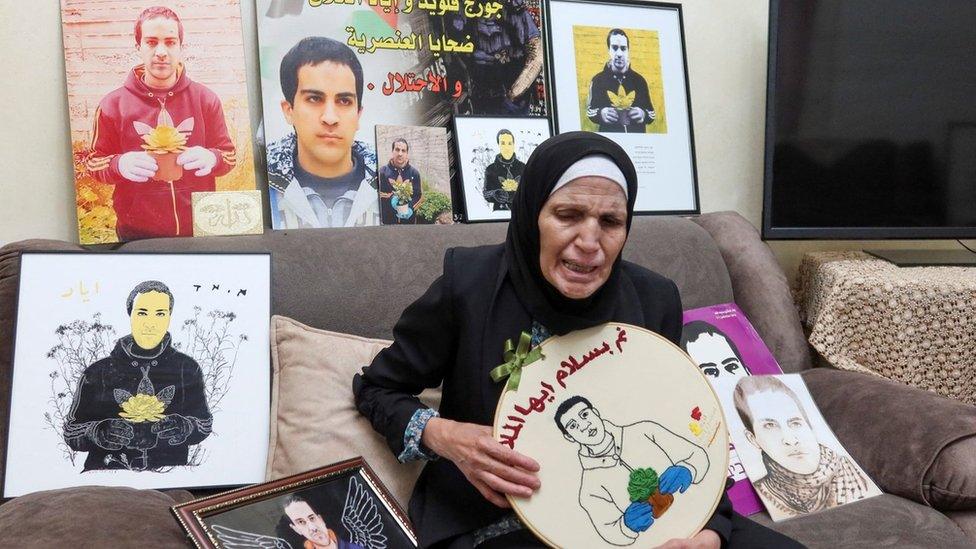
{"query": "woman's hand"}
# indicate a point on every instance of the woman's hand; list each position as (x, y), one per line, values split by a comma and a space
(706, 539)
(492, 468)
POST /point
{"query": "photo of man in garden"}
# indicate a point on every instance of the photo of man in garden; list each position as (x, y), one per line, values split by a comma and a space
(401, 192)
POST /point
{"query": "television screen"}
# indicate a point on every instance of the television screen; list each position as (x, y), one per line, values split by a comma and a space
(871, 119)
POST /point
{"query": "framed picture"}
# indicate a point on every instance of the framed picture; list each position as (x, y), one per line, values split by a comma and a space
(491, 153)
(140, 155)
(406, 64)
(139, 369)
(414, 175)
(624, 74)
(342, 505)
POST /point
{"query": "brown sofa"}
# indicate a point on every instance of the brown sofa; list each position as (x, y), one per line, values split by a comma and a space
(918, 447)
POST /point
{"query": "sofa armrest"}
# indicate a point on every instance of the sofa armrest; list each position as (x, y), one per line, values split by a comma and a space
(913, 443)
(760, 288)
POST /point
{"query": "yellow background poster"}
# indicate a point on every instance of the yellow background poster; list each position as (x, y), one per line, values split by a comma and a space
(590, 45)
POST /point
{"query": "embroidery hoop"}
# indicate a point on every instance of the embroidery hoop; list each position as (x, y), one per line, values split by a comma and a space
(618, 384)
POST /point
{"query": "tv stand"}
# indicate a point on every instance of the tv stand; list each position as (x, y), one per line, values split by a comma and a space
(927, 258)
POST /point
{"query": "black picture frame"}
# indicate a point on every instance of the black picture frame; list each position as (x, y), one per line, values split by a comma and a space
(654, 184)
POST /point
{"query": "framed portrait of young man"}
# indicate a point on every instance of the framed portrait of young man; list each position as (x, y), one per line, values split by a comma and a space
(623, 70)
(343, 506)
(491, 156)
(146, 370)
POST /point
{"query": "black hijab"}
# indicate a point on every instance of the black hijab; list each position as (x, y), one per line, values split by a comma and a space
(558, 313)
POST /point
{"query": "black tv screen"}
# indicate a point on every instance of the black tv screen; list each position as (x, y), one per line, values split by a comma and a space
(871, 119)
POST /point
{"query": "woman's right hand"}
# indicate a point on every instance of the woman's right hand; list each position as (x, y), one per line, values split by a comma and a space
(492, 468)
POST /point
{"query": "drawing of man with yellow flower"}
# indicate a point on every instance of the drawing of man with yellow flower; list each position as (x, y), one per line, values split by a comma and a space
(619, 100)
(502, 177)
(142, 407)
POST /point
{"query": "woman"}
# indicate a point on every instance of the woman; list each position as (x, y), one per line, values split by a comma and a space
(559, 270)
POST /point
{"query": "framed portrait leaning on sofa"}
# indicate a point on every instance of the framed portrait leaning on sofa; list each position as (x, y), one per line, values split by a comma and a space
(343, 505)
(145, 370)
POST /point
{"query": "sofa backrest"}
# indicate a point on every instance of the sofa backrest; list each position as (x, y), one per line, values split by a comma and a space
(359, 280)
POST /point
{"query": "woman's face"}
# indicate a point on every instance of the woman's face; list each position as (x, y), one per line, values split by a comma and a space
(582, 228)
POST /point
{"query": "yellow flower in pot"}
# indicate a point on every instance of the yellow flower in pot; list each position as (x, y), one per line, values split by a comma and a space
(165, 143)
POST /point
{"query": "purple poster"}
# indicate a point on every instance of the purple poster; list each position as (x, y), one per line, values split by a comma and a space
(726, 347)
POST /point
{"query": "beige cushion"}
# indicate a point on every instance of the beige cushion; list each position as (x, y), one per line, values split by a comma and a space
(314, 421)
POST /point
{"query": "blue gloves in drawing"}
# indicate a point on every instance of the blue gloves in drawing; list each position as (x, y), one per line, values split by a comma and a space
(676, 478)
(112, 434)
(173, 427)
(639, 516)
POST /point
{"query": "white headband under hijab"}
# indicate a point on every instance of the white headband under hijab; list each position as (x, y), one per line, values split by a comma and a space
(597, 165)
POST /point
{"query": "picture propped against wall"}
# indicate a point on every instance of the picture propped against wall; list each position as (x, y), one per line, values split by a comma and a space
(159, 112)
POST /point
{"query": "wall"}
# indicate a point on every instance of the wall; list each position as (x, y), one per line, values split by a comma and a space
(725, 39)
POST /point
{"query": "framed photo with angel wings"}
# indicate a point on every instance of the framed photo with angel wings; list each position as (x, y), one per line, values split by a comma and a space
(343, 505)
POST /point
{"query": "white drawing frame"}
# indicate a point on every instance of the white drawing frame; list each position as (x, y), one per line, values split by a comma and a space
(37, 456)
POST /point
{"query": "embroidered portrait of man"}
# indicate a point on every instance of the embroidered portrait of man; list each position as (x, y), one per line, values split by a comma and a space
(613, 458)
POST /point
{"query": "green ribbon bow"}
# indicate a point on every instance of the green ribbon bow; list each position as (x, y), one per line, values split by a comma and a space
(515, 360)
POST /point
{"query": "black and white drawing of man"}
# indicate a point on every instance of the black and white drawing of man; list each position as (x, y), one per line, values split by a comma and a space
(142, 407)
(803, 475)
(619, 100)
(715, 354)
(608, 453)
(503, 175)
(309, 524)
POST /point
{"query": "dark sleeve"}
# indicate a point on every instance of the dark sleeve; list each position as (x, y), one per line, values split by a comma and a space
(195, 405)
(82, 416)
(593, 104)
(721, 521)
(643, 97)
(424, 345)
(673, 313)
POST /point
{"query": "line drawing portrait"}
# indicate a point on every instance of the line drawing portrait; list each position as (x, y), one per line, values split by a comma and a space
(803, 475)
(360, 518)
(491, 156)
(629, 473)
(141, 407)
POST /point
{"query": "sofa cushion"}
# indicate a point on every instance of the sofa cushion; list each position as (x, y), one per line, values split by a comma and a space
(882, 521)
(314, 421)
(91, 516)
(921, 445)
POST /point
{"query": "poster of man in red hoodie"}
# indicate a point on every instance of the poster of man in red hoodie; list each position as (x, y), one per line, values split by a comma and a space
(147, 136)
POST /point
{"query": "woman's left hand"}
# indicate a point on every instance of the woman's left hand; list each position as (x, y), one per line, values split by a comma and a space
(706, 539)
